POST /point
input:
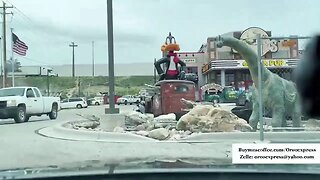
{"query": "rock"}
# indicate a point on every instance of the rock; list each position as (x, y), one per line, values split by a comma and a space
(312, 125)
(140, 127)
(118, 129)
(150, 116)
(86, 124)
(175, 137)
(142, 133)
(206, 118)
(160, 134)
(165, 117)
(158, 125)
(149, 126)
(135, 118)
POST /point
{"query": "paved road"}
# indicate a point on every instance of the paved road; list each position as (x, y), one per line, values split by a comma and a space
(22, 147)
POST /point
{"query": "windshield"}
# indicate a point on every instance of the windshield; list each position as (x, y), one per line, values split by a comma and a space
(203, 81)
(12, 92)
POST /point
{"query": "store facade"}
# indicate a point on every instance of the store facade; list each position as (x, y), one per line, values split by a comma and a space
(226, 67)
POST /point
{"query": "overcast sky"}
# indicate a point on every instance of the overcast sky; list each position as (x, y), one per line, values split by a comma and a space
(140, 26)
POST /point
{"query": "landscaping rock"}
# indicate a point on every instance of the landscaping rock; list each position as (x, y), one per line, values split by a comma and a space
(118, 129)
(142, 133)
(206, 118)
(160, 134)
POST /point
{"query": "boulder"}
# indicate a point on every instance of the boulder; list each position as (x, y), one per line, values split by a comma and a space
(206, 118)
(160, 134)
(134, 118)
(165, 120)
(118, 129)
(165, 117)
(86, 124)
(142, 133)
(312, 125)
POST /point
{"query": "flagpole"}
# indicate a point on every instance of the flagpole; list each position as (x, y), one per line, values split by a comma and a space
(12, 60)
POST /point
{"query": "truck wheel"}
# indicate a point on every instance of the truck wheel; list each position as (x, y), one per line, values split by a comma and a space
(27, 118)
(79, 106)
(54, 112)
(20, 115)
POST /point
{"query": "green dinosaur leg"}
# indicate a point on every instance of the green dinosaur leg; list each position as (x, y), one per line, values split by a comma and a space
(254, 118)
(278, 116)
(296, 115)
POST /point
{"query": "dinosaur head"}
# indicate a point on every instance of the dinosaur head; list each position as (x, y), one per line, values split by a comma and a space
(219, 41)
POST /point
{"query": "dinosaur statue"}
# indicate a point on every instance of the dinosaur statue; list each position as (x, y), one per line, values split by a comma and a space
(278, 95)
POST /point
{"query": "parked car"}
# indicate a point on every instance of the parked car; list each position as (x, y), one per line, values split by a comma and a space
(227, 94)
(20, 103)
(95, 101)
(128, 99)
(76, 102)
(192, 77)
(244, 99)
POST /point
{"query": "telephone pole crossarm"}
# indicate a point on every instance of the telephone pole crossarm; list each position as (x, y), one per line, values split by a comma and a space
(73, 45)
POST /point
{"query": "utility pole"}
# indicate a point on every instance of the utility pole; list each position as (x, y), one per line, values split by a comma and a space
(79, 86)
(155, 72)
(12, 59)
(73, 46)
(92, 58)
(112, 109)
(4, 78)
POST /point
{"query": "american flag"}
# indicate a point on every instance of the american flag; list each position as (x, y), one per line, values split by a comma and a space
(18, 46)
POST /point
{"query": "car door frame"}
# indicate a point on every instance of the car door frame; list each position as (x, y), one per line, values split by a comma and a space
(30, 102)
(39, 105)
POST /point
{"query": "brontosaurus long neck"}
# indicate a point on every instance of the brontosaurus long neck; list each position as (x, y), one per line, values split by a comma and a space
(250, 57)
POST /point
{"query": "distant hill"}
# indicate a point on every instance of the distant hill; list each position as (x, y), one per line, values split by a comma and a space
(89, 86)
(130, 69)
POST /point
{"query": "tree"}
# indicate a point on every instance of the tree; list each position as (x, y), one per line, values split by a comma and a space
(17, 66)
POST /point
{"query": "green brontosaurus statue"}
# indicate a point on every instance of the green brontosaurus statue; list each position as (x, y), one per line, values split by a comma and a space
(278, 95)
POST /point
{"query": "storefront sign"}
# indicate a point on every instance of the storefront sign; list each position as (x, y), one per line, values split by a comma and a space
(242, 64)
(211, 86)
(189, 60)
(205, 68)
(250, 35)
(270, 63)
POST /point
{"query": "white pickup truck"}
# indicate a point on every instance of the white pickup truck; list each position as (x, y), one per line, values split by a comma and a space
(128, 99)
(20, 103)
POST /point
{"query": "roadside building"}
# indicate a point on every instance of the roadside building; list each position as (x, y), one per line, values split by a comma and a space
(226, 67)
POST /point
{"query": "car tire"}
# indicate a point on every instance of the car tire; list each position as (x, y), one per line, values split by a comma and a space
(125, 102)
(97, 104)
(20, 115)
(27, 118)
(54, 112)
(79, 106)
